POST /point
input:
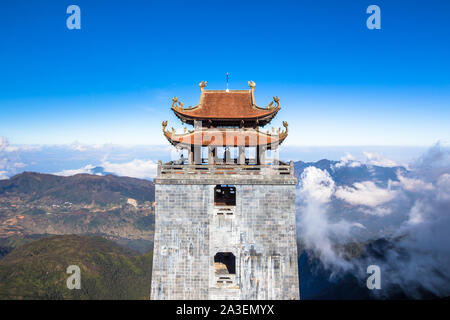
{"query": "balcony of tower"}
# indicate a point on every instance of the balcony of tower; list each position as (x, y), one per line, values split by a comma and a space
(227, 168)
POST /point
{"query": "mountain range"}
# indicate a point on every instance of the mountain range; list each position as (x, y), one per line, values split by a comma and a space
(77, 189)
(118, 208)
(40, 212)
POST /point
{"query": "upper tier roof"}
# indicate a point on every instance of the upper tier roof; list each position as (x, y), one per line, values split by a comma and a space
(222, 107)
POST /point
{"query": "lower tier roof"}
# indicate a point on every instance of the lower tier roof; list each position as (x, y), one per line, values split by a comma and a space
(224, 137)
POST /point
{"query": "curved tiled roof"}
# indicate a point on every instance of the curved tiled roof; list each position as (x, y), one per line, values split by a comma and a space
(226, 137)
(221, 105)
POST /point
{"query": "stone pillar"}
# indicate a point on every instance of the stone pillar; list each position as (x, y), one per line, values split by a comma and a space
(227, 156)
(262, 155)
(211, 155)
(191, 155)
(197, 154)
(241, 157)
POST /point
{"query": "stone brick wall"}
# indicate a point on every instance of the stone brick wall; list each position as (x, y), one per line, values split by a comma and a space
(260, 233)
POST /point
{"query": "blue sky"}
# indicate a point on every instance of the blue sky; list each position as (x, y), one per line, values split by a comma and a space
(339, 83)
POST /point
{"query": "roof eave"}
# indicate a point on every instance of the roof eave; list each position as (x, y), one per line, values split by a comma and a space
(176, 143)
(185, 117)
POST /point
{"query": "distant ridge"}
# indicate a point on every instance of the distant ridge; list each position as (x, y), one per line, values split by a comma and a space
(77, 189)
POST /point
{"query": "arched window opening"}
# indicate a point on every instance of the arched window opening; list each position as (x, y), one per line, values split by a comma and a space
(224, 264)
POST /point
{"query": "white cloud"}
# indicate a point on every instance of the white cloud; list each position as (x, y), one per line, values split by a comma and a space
(316, 231)
(354, 164)
(19, 165)
(5, 146)
(317, 184)
(377, 160)
(3, 175)
(348, 160)
(377, 211)
(369, 158)
(136, 168)
(412, 184)
(70, 172)
(416, 214)
(365, 193)
(78, 146)
(143, 169)
(443, 184)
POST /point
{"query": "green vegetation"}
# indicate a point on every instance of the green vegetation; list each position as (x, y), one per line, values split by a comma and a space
(37, 270)
(34, 211)
(19, 240)
(8, 244)
(145, 222)
(34, 203)
(77, 189)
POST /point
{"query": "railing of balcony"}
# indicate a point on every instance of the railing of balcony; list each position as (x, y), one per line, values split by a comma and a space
(173, 169)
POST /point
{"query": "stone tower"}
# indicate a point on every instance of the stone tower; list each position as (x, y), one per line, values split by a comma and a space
(225, 213)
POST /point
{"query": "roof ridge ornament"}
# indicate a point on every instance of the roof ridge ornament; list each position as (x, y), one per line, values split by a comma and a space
(168, 133)
(271, 105)
(164, 125)
(252, 86)
(202, 85)
(177, 105)
(284, 133)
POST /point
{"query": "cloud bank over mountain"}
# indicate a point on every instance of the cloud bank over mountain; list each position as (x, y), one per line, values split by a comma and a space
(9, 160)
(365, 193)
(143, 169)
(316, 231)
(138, 160)
(74, 158)
(416, 205)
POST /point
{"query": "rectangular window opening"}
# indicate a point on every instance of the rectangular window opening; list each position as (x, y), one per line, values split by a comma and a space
(225, 195)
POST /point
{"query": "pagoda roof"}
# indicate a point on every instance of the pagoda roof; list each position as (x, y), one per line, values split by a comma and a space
(222, 107)
(222, 137)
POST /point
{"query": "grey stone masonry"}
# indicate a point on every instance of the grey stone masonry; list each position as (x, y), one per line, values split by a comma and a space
(259, 231)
